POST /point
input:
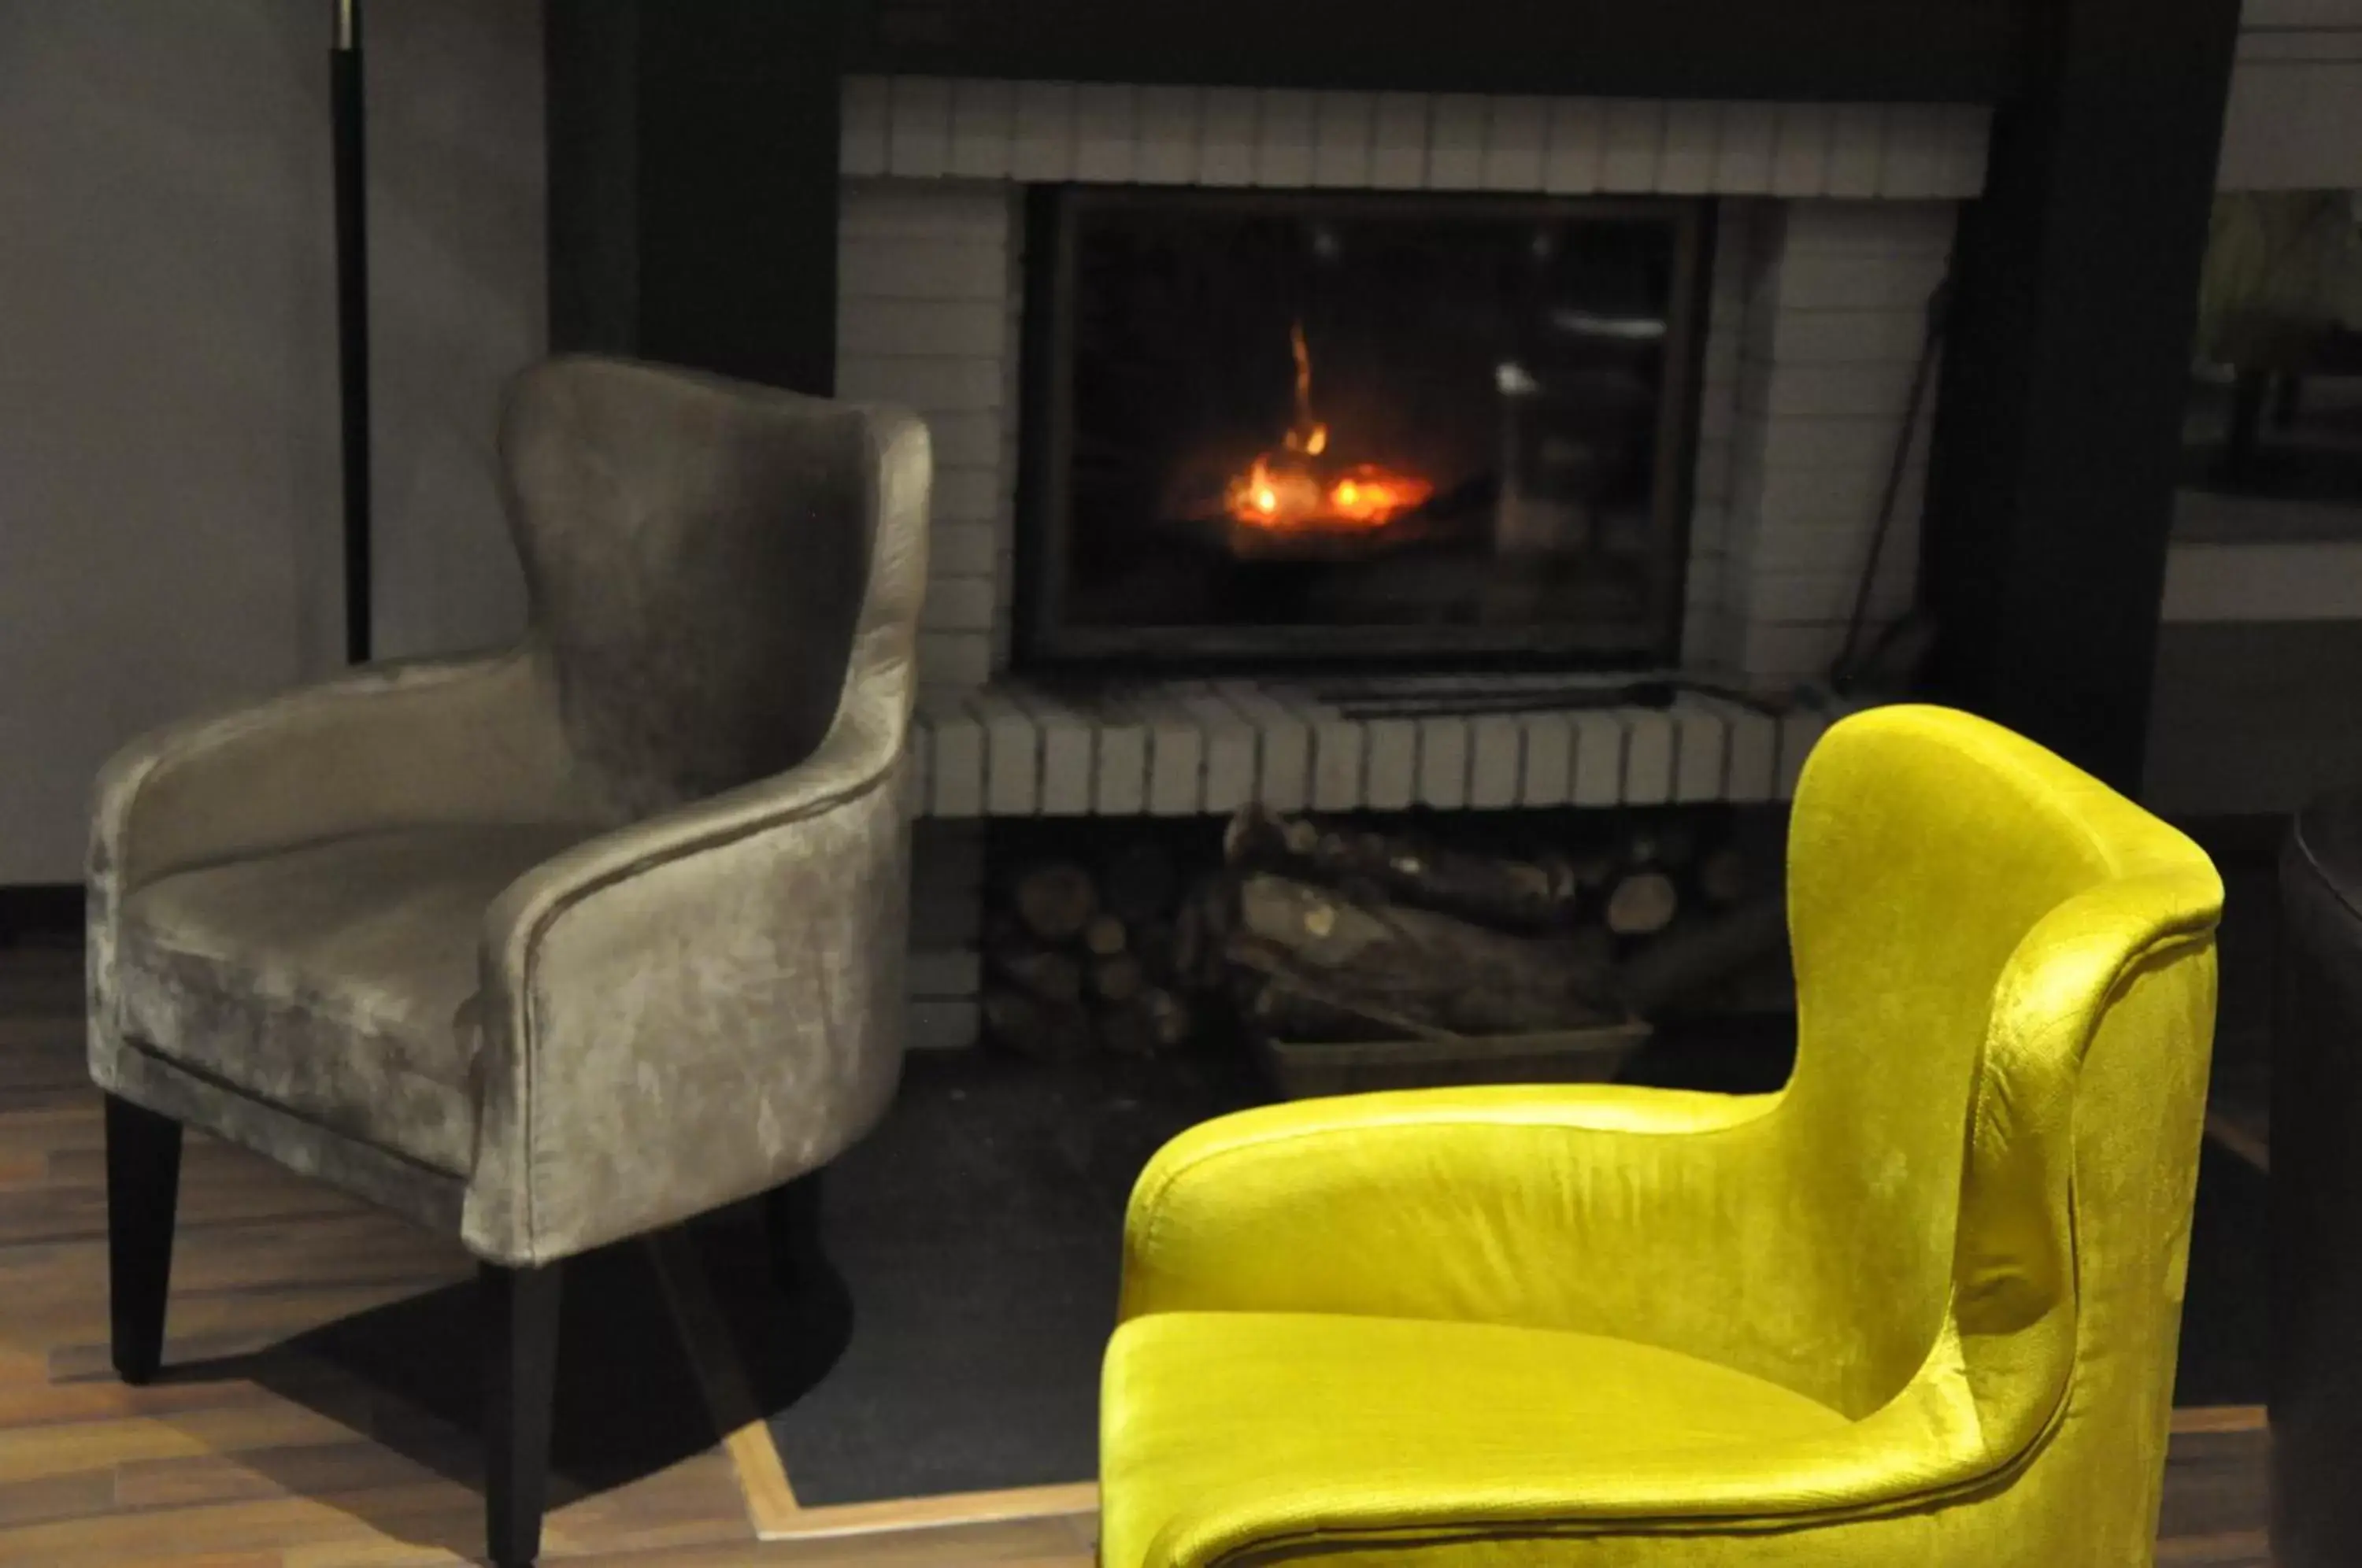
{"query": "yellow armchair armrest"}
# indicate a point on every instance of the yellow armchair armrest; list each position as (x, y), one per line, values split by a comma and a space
(1444, 1203)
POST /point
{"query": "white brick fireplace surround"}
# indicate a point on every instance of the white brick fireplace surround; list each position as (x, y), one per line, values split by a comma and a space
(1834, 226)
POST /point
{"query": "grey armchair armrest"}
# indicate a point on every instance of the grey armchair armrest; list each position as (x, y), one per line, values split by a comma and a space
(681, 1012)
(558, 945)
(409, 743)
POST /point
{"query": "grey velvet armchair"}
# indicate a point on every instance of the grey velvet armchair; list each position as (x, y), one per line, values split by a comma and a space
(557, 945)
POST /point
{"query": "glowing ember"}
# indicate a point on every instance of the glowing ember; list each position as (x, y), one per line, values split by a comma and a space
(1286, 492)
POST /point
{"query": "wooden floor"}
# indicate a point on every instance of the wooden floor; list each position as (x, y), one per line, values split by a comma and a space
(304, 1466)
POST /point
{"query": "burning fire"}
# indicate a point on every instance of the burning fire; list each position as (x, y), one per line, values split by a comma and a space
(1288, 492)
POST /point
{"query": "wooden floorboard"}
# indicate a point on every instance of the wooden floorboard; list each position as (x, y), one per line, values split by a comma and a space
(307, 1472)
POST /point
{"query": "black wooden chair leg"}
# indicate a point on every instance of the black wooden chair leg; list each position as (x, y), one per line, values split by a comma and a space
(519, 1376)
(143, 1190)
(792, 1227)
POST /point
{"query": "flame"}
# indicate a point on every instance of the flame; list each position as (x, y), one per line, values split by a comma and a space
(1369, 494)
(1284, 492)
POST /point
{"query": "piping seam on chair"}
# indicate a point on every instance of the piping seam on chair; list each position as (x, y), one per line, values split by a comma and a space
(1577, 1526)
(721, 838)
(866, 785)
(2159, 942)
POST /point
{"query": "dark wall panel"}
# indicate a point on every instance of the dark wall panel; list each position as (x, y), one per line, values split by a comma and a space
(1962, 50)
(2058, 432)
(693, 158)
(590, 55)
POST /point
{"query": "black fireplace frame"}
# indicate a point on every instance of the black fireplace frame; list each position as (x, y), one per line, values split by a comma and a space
(1045, 640)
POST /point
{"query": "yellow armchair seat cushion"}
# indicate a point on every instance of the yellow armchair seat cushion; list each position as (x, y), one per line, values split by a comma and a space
(1205, 1406)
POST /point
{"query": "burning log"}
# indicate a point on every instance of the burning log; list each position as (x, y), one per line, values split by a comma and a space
(1304, 489)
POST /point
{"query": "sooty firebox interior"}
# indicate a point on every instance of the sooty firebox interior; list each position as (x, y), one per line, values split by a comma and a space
(1265, 427)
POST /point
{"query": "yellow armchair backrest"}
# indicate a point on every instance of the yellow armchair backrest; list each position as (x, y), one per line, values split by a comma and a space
(2005, 992)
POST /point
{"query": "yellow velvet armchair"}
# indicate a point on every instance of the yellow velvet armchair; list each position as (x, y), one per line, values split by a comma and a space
(1918, 1308)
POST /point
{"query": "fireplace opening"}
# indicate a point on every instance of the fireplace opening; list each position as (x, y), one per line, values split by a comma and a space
(1305, 428)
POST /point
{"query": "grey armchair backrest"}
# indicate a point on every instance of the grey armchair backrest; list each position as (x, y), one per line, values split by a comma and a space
(699, 564)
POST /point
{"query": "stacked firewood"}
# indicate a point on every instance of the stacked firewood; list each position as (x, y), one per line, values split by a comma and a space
(1320, 931)
(1081, 958)
(1331, 933)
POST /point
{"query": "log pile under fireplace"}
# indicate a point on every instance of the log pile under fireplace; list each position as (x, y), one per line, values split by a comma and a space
(1333, 931)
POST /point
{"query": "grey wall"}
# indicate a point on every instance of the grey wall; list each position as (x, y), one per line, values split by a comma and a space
(168, 441)
(457, 304)
(2295, 116)
(2253, 717)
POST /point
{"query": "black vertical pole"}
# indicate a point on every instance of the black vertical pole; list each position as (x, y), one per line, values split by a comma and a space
(2067, 362)
(352, 318)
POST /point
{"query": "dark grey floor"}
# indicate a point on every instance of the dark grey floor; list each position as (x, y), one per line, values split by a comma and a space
(976, 1239)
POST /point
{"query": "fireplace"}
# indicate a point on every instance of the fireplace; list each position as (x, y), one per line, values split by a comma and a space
(1804, 241)
(1271, 427)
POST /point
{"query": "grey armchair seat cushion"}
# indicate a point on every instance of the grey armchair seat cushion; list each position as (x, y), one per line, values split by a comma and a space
(307, 935)
(336, 981)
